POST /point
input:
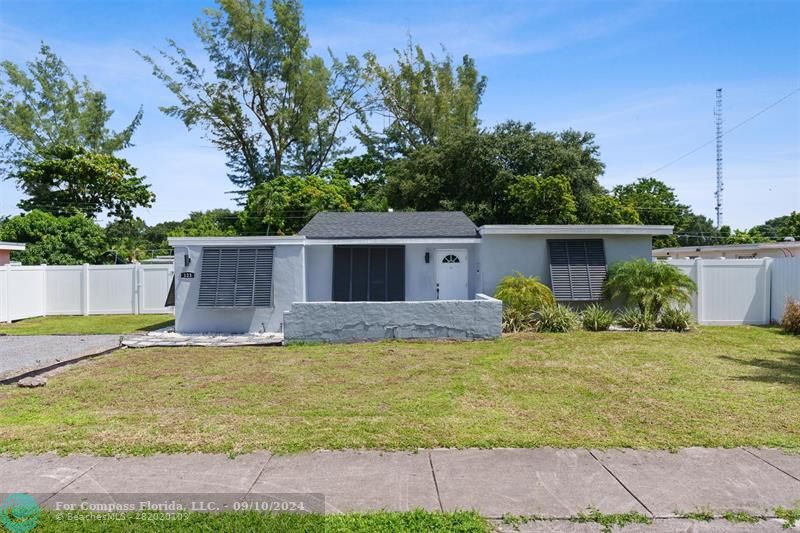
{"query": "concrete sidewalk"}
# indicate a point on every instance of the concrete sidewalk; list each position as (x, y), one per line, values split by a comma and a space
(545, 482)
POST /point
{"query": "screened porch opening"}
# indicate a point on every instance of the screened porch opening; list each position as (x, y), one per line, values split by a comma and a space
(368, 273)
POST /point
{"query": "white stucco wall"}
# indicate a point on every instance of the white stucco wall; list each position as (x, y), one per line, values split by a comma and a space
(319, 273)
(420, 276)
(502, 255)
(296, 280)
(287, 287)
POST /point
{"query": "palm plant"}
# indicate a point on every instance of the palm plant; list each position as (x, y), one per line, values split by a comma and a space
(649, 285)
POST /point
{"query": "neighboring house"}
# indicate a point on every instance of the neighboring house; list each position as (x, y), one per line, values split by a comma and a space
(730, 251)
(350, 276)
(5, 251)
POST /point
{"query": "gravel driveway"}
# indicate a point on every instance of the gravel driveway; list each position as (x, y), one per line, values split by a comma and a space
(18, 354)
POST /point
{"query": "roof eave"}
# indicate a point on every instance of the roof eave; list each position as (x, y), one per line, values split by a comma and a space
(236, 241)
(392, 240)
(575, 229)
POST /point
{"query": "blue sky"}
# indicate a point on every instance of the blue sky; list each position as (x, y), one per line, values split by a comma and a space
(641, 75)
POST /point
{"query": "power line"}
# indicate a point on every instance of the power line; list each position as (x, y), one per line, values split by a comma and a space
(726, 132)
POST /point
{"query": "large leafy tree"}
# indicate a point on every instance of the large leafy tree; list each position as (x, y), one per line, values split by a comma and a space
(474, 172)
(43, 105)
(65, 180)
(605, 209)
(424, 98)
(781, 227)
(133, 239)
(524, 151)
(546, 200)
(270, 105)
(283, 205)
(55, 240)
(211, 223)
(127, 241)
(365, 176)
(697, 230)
(656, 203)
(459, 172)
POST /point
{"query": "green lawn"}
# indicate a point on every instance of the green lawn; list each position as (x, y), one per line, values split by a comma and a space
(715, 386)
(87, 325)
(384, 522)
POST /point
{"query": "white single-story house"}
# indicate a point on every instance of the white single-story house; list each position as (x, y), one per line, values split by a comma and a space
(787, 248)
(352, 276)
(6, 248)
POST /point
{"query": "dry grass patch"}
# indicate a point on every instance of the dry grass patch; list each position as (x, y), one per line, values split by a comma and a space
(732, 386)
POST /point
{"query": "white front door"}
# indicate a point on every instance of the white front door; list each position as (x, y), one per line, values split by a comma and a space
(452, 273)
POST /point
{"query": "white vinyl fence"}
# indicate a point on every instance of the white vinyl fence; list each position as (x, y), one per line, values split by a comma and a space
(785, 284)
(29, 291)
(741, 291)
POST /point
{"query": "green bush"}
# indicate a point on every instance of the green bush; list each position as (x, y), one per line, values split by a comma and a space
(635, 319)
(514, 321)
(791, 317)
(649, 285)
(521, 297)
(597, 318)
(675, 319)
(555, 319)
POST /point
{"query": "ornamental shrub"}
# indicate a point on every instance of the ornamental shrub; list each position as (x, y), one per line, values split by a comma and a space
(555, 319)
(675, 319)
(791, 317)
(595, 317)
(521, 297)
(636, 319)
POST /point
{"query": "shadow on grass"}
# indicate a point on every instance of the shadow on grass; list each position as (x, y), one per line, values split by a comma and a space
(784, 370)
(157, 325)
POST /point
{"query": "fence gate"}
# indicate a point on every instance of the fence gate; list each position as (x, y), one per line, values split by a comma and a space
(741, 291)
(29, 291)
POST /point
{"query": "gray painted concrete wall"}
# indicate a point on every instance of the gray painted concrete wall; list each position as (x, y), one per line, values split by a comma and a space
(420, 276)
(369, 321)
(287, 287)
(502, 255)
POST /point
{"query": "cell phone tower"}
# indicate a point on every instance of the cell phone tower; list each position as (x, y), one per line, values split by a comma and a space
(720, 186)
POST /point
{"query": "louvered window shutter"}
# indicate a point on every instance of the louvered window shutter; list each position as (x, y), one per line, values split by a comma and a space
(577, 269)
(236, 277)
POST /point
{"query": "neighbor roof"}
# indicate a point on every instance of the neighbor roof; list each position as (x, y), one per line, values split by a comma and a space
(415, 224)
(14, 246)
(783, 245)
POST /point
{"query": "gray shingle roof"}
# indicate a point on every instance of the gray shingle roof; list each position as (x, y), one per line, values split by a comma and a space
(416, 224)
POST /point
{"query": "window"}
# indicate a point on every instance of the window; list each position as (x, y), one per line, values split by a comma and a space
(451, 259)
(236, 277)
(577, 269)
(368, 273)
